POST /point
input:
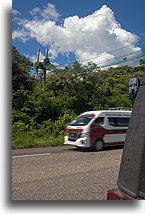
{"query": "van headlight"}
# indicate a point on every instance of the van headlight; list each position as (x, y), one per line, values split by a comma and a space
(84, 134)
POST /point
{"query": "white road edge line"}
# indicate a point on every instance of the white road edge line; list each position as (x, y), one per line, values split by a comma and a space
(23, 156)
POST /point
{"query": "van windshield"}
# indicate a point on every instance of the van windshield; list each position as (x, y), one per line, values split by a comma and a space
(81, 121)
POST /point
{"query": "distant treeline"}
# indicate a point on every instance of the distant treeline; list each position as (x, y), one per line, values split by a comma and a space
(41, 111)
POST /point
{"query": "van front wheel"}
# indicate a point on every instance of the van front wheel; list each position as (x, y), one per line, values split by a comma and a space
(98, 145)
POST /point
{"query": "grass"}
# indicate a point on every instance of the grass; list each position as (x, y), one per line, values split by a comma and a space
(25, 139)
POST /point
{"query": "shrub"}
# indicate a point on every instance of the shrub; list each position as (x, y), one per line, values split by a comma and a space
(40, 135)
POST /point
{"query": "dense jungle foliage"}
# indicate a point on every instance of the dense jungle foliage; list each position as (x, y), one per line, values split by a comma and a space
(41, 112)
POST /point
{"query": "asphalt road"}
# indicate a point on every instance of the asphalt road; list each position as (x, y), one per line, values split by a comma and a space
(64, 173)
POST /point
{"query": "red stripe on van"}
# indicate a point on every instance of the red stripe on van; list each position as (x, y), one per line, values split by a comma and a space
(74, 130)
(101, 130)
(115, 131)
(114, 143)
(87, 115)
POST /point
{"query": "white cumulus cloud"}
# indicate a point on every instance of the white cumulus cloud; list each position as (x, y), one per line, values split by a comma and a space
(91, 38)
(15, 12)
(48, 12)
(20, 34)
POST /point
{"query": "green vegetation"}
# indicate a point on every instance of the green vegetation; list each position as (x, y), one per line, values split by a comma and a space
(41, 112)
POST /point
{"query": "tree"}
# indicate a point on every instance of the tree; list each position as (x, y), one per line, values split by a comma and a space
(141, 61)
(21, 67)
(43, 67)
(22, 85)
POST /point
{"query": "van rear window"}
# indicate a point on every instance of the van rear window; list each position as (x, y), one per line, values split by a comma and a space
(118, 121)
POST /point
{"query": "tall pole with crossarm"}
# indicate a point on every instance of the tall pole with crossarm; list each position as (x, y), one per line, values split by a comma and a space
(38, 58)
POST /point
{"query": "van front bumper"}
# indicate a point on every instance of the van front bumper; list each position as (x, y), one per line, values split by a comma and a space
(80, 142)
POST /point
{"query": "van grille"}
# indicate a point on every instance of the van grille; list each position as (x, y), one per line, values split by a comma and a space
(73, 136)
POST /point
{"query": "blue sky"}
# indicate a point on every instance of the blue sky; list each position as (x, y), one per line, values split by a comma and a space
(79, 30)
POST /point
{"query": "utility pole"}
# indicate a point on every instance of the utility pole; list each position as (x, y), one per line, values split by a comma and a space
(41, 67)
(38, 58)
(38, 54)
(46, 64)
(46, 52)
(44, 72)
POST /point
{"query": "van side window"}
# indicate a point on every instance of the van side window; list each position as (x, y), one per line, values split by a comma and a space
(112, 121)
(99, 121)
(122, 121)
(118, 121)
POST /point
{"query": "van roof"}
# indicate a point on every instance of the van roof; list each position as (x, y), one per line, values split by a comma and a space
(105, 111)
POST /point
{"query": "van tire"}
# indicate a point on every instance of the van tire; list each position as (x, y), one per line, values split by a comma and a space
(99, 145)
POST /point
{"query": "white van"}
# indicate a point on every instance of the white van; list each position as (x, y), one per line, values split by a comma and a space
(97, 129)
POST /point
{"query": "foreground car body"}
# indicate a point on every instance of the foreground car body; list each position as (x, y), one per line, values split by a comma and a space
(130, 179)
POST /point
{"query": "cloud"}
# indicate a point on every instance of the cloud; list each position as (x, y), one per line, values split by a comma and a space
(20, 34)
(34, 58)
(91, 38)
(16, 12)
(47, 13)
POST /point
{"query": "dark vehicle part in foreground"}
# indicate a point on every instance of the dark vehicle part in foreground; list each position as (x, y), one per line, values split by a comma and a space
(130, 179)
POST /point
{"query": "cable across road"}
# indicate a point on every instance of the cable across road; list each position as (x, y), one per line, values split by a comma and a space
(122, 56)
(97, 67)
(108, 52)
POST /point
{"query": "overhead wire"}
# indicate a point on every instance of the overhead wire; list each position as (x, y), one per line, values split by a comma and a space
(123, 59)
(116, 63)
(108, 52)
(97, 67)
(99, 62)
(69, 60)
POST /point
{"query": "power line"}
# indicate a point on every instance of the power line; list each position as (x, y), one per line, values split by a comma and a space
(108, 52)
(123, 57)
(127, 60)
(99, 62)
(93, 68)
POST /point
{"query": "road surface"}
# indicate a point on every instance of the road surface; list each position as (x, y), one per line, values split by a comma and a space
(64, 173)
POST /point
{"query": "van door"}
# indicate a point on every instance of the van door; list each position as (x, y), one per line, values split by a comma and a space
(96, 130)
(116, 130)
